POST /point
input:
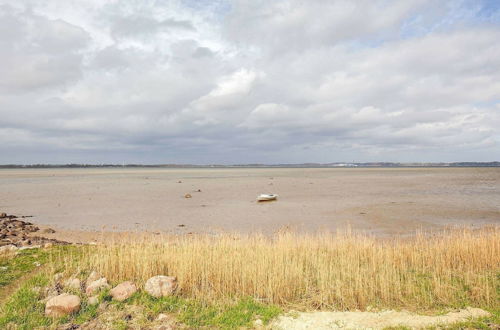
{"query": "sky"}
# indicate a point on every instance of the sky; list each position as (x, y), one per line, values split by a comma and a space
(235, 82)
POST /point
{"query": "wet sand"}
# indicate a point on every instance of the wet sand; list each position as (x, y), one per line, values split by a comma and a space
(383, 201)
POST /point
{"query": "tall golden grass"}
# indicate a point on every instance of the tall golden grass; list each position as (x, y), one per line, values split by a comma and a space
(326, 270)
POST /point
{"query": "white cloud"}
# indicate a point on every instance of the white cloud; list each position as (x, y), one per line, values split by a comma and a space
(240, 82)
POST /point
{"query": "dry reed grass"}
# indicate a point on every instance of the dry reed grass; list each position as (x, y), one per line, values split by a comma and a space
(329, 270)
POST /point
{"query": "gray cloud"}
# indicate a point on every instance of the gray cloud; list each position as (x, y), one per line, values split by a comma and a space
(288, 81)
(131, 26)
(38, 52)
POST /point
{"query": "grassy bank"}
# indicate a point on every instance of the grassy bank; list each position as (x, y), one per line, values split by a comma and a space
(333, 271)
(25, 310)
(229, 281)
(14, 266)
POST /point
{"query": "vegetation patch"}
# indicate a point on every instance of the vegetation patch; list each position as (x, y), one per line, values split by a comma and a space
(24, 308)
(223, 281)
(488, 322)
(196, 314)
(341, 271)
(12, 267)
(22, 262)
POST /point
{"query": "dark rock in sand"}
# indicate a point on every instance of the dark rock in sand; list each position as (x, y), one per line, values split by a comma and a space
(32, 228)
(17, 223)
(17, 232)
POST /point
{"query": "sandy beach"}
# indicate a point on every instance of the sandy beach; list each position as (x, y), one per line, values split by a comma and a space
(382, 201)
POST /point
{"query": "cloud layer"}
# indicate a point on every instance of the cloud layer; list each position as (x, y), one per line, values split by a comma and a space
(249, 81)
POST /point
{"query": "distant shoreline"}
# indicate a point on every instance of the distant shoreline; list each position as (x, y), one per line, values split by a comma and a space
(305, 165)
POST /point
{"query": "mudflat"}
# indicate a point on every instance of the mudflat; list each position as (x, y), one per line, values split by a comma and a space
(382, 201)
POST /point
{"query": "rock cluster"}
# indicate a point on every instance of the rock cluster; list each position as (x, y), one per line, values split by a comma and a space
(19, 233)
(59, 303)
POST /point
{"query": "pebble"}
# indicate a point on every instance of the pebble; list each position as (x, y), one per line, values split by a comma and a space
(96, 286)
(73, 283)
(163, 317)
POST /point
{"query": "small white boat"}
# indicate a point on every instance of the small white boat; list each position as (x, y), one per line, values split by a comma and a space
(266, 197)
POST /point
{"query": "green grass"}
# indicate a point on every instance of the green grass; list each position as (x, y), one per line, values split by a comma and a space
(12, 268)
(196, 314)
(244, 313)
(87, 312)
(24, 308)
(120, 325)
(25, 262)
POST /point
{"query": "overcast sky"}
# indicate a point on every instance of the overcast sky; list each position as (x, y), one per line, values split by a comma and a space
(252, 81)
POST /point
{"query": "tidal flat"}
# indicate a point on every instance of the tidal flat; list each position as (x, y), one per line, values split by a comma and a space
(379, 201)
(414, 247)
